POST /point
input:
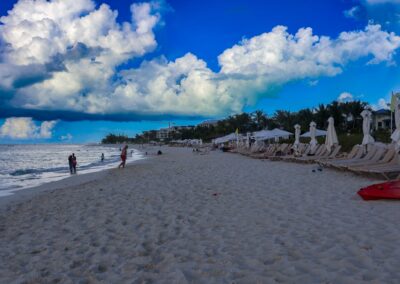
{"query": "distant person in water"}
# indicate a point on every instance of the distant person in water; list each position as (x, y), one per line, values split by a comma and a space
(102, 157)
(70, 162)
(74, 162)
(123, 156)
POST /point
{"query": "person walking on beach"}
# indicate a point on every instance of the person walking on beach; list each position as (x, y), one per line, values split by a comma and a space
(70, 162)
(123, 156)
(74, 162)
(102, 157)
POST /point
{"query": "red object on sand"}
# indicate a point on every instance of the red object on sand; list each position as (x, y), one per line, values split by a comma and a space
(386, 190)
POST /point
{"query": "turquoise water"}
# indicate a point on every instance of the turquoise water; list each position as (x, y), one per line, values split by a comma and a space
(24, 166)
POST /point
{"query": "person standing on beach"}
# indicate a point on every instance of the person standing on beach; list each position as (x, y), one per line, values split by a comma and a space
(74, 162)
(102, 157)
(70, 162)
(123, 156)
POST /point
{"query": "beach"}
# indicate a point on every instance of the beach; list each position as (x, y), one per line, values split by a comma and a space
(184, 217)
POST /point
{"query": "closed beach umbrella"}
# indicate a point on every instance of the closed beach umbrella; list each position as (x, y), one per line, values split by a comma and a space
(248, 140)
(297, 129)
(313, 142)
(331, 137)
(396, 134)
(367, 117)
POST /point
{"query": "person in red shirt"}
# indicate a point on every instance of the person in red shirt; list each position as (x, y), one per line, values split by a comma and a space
(123, 156)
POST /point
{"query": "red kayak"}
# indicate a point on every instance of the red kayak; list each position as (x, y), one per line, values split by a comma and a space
(386, 190)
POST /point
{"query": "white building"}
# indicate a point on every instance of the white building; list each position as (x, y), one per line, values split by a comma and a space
(381, 119)
(208, 123)
(164, 133)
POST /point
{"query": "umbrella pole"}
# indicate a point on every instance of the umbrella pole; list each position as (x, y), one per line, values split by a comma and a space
(391, 118)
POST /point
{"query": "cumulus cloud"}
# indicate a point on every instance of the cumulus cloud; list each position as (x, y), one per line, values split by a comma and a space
(383, 12)
(46, 127)
(382, 103)
(345, 97)
(26, 128)
(352, 12)
(68, 46)
(374, 2)
(250, 69)
(67, 137)
(76, 50)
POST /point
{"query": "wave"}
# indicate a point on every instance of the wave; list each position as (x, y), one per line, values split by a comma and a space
(21, 172)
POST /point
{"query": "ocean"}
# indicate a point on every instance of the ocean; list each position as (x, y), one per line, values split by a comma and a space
(24, 166)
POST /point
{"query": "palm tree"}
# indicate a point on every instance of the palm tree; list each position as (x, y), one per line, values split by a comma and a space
(284, 119)
(321, 116)
(304, 117)
(335, 110)
(259, 119)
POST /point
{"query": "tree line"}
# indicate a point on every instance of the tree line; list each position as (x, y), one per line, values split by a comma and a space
(346, 115)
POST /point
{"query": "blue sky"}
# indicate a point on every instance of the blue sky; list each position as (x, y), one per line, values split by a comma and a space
(86, 74)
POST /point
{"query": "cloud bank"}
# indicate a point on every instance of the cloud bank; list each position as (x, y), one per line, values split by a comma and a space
(345, 97)
(66, 55)
(26, 128)
(374, 2)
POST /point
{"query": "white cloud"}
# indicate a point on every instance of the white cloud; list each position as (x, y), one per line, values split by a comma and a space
(250, 68)
(345, 97)
(374, 2)
(83, 47)
(313, 83)
(352, 12)
(67, 137)
(38, 30)
(85, 44)
(25, 128)
(383, 103)
(46, 127)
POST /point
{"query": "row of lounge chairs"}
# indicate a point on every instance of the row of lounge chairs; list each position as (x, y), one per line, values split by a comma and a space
(379, 160)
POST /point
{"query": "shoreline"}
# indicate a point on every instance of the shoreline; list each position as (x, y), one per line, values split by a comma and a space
(20, 195)
(183, 217)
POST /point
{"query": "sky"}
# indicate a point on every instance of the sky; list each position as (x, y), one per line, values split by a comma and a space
(72, 71)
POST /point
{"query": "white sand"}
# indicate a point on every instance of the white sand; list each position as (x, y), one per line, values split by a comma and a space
(189, 218)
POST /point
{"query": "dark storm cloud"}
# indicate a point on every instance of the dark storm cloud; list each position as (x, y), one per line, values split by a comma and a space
(45, 115)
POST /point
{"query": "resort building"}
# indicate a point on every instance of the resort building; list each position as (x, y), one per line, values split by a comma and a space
(185, 127)
(381, 119)
(164, 133)
(208, 123)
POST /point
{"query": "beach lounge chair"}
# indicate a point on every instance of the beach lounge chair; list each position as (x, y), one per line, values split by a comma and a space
(322, 154)
(357, 155)
(366, 157)
(332, 155)
(374, 157)
(259, 155)
(255, 150)
(350, 155)
(281, 149)
(387, 160)
(387, 170)
(301, 150)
